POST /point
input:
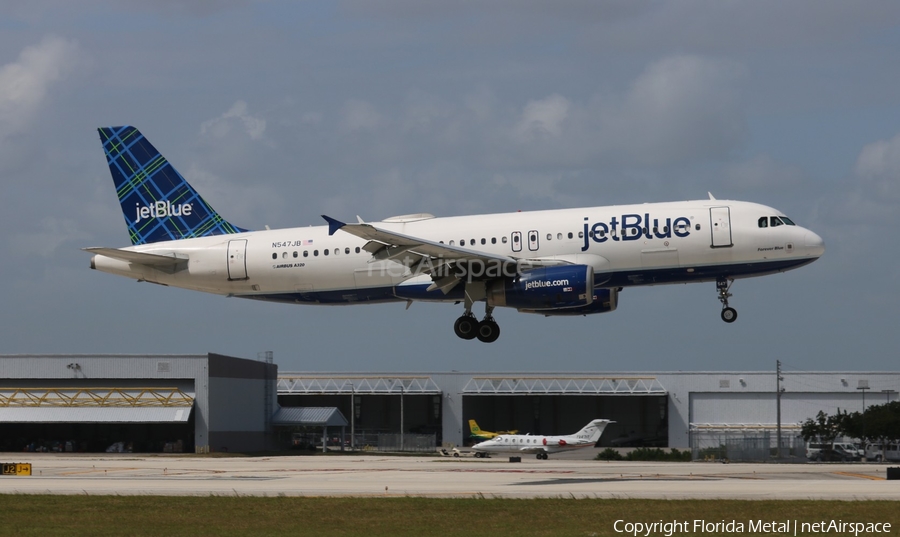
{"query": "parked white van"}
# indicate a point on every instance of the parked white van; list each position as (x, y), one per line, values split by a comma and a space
(891, 452)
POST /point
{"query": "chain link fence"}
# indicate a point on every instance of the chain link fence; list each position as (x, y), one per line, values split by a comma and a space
(746, 446)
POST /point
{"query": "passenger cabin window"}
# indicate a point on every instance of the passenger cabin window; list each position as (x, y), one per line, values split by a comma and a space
(503, 240)
(346, 250)
(493, 240)
(357, 249)
(483, 241)
(305, 253)
(570, 234)
(274, 256)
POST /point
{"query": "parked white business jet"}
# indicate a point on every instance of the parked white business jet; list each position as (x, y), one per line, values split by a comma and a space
(560, 262)
(542, 446)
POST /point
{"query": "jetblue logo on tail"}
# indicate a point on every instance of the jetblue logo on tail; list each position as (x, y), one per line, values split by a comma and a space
(161, 209)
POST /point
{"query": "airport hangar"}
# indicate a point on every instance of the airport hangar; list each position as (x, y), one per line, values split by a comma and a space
(211, 402)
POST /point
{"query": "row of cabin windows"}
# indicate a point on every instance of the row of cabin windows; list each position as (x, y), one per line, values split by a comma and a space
(522, 441)
(315, 253)
(515, 238)
(559, 236)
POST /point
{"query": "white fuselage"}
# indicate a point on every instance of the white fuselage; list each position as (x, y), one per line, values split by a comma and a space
(627, 245)
(541, 445)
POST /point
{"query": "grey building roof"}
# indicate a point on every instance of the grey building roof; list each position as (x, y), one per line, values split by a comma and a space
(309, 416)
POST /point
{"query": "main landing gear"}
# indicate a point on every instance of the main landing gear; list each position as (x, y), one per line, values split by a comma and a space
(542, 456)
(468, 327)
(723, 286)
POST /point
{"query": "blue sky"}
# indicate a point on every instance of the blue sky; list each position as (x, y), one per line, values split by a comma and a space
(281, 111)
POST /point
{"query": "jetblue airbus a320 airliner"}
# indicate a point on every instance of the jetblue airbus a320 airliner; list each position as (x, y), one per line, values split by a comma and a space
(560, 262)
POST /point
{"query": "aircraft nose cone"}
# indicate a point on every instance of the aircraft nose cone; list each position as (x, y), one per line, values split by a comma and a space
(815, 246)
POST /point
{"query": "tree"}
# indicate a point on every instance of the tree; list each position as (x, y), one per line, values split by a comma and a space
(880, 424)
(824, 428)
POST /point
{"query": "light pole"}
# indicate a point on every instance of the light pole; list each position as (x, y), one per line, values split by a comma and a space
(863, 385)
(352, 417)
(888, 394)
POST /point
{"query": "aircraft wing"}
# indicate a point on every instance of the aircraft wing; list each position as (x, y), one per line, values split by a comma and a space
(429, 257)
(142, 258)
(400, 244)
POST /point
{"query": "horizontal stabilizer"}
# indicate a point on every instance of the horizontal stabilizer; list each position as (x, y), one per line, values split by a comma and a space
(152, 260)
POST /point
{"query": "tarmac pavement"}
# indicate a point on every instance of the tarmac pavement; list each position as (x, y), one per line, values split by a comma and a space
(435, 476)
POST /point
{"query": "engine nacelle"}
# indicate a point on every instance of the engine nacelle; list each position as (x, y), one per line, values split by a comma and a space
(604, 300)
(545, 288)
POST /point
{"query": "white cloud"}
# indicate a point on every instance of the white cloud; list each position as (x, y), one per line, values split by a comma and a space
(219, 127)
(24, 84)
(543, 118)
(878, 168)
(680, 108)
(358, 115)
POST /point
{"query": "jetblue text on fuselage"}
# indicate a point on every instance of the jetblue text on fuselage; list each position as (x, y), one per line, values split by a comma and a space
(161, 209)
(632, 227)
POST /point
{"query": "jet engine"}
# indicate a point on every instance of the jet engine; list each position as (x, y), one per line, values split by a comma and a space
(545, 289)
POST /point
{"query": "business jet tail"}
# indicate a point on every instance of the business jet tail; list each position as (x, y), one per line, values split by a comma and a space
(157, 202)
(593, 430)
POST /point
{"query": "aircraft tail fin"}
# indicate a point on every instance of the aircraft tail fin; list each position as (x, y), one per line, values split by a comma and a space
(593, 430)
(473, 427)
(157, 202)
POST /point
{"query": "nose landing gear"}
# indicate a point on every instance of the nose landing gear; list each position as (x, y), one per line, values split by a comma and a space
(723, 286)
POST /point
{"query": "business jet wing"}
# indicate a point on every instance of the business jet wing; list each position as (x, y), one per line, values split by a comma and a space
(142, 258)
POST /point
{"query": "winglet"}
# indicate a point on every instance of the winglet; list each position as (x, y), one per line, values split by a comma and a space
(333, 225)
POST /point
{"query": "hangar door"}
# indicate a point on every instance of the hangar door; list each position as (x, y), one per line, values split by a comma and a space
(557, 405)
(761, 408)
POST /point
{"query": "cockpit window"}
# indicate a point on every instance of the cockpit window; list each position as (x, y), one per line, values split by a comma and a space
(774, 221)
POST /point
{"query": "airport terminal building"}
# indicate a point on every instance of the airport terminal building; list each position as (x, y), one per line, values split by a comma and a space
(211, 402)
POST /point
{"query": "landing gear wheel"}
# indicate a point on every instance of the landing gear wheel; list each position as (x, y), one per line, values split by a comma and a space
(729, 315)
(539, 456)
(466, 327)
(488, 331)
(723, 286)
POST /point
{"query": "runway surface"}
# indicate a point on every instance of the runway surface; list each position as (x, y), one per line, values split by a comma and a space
(377, 475)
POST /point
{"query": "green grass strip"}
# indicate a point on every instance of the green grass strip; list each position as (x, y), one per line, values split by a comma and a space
(470, 517)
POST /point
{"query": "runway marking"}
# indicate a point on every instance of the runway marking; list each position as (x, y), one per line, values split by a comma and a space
(861, 476)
